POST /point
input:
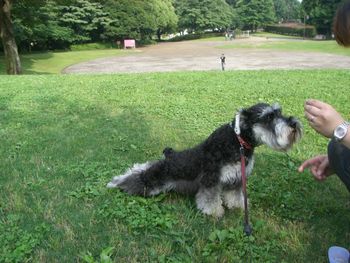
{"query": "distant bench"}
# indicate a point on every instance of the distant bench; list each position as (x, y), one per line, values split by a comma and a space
(129, 43)
(245, 33)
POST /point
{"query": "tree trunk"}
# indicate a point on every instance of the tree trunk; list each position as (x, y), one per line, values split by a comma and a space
(13, 63)
(159, 34)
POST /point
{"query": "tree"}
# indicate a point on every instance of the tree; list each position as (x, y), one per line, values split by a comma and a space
(12, 60)
(231, 2)
(199, 15)
(128, 19)
(287, 10)
(321, 13)
(138, 19)
(85, 18)
(256, 13)
(37, 25)
(166, 19)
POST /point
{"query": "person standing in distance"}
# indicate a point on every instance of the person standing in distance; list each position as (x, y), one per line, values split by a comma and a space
(223, 61)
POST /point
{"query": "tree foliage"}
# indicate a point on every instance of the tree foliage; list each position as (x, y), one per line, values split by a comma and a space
(37, 25)
(85, 18)
(198, 15)
(321, 14)
(255, 13)
(56, 24)
(166, 17)
(138, 19)
(287, 10)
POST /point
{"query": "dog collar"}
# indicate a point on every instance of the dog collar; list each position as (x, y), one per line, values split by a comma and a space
(237, 127)
(237, 130)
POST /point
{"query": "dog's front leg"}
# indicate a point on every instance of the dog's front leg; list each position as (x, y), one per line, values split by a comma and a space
(209, 201)
(233, 198)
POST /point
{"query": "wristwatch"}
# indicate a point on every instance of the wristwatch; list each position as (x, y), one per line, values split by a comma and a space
(340, 131)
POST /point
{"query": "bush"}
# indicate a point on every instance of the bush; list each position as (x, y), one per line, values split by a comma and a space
(196, 36)
(292, 30)
(92, 46)
(145, 42)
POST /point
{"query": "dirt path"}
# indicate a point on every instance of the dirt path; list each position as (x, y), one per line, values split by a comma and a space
(201, 55)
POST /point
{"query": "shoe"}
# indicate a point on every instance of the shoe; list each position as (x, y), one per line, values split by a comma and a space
(338, 255)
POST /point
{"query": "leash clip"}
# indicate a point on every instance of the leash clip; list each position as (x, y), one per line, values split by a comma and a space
(241, 150)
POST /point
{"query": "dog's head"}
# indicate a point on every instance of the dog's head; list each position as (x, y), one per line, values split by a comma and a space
(265, 124)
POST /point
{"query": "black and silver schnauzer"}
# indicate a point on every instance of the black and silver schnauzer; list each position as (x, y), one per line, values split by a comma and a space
(212, 170)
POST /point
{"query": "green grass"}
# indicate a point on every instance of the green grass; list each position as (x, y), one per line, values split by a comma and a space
(55, 62)
(329, 46)
(273, 35)
(63, 137)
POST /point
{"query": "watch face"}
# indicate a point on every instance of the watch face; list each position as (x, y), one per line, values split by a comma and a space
(340, 132)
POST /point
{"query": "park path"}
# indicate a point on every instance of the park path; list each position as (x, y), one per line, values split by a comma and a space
(204, 55)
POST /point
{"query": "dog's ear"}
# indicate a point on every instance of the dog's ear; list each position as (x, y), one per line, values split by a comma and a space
(276, 106)
(253, 112)
(248, 116)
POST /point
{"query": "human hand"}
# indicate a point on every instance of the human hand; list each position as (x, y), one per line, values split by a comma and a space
(322, 117)
(319, 167)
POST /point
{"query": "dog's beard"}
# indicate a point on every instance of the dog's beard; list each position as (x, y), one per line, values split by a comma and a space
(280, 138)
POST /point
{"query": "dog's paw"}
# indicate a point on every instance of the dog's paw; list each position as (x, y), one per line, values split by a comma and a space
(216, 212)
(211, 209)
(219, 212)
(233, 199)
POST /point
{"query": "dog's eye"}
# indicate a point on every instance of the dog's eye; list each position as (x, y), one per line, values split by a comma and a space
(278, 112)
(270, 116)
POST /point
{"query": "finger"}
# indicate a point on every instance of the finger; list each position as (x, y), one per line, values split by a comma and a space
(313, 170)
(311, 118)
(319, 177)
(301, 169)
(321, 170)
(323, 177)
(312, 110)
(305, 165)
(315, 103)
(310, 162)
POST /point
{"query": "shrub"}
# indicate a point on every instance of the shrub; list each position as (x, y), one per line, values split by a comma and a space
(292, 30)
(196, 36)
(92, 46)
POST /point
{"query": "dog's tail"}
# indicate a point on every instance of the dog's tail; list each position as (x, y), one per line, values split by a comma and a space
(145, 179)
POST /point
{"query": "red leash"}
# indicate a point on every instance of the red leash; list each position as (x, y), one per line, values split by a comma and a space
(247, 227)
(243, 145)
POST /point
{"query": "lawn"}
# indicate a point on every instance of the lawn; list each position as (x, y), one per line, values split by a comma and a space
(55, 62)
(64, 137)
(328, 46)
(273, 35)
